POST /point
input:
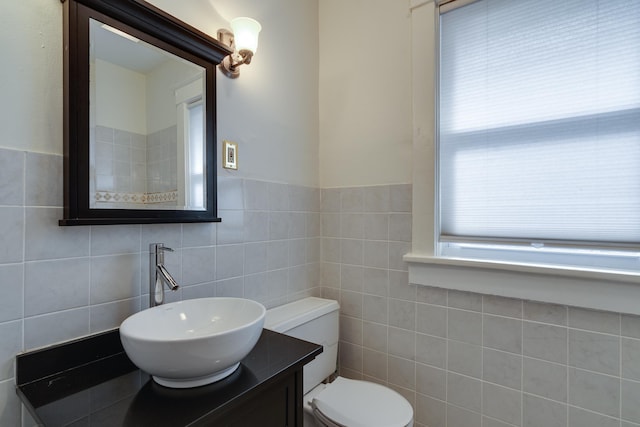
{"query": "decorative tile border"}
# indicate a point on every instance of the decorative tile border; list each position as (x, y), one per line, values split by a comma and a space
(167, 196)
(136, 198)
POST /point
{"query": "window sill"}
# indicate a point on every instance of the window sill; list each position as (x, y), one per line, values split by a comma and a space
(590, 288)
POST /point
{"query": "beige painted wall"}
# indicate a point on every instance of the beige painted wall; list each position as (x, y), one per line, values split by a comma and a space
(122, 105)
(31, 75)
(271, 111)
(365, 92)
(340, 121)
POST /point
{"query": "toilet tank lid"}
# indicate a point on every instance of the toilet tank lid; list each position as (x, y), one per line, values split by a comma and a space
(293, 314)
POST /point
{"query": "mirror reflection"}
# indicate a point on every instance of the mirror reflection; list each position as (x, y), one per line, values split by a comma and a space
(147, 127)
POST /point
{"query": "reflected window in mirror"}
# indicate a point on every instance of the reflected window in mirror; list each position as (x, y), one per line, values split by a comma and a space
(195, 184)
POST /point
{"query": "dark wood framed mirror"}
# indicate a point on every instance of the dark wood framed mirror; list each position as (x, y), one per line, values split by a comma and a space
(139, 115)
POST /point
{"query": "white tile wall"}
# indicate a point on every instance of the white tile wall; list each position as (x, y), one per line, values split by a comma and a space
(462, 359)
(130, 164)
(161, 160)
(465, 359)
(59, 283)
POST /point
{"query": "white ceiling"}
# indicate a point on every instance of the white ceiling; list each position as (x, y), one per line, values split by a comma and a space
(138, 56)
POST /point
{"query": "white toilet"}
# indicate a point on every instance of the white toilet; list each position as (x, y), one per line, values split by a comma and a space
(343, 402)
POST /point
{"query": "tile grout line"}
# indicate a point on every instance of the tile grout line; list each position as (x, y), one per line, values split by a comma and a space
(566, 364)
(482, 382)
(24, 251)
(522, 364)
(620, 368)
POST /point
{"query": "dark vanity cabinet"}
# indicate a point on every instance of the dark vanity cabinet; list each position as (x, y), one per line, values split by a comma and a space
(278, 405)
(91, 382)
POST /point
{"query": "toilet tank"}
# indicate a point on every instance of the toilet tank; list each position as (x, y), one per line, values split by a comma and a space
(315, 320)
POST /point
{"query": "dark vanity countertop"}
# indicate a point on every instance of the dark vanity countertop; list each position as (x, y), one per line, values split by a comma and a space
(92, 382)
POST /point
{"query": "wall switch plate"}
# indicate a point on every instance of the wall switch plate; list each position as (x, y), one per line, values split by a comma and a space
(229, 155)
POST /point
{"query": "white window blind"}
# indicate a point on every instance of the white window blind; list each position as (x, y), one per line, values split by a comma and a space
(539, 123)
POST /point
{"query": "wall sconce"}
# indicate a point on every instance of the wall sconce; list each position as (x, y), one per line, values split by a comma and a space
(244, 41)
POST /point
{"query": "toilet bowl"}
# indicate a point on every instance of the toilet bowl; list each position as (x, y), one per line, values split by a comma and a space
(355, 403)
(342, 402)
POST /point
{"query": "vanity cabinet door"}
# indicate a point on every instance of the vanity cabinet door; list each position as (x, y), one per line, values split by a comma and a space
(279, 405)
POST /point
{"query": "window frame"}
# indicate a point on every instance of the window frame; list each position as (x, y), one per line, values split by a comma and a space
(586, 287)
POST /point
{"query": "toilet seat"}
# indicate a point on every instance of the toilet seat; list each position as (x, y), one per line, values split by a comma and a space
(352, 403)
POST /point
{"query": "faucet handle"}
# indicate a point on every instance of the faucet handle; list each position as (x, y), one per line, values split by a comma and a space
(158, 247)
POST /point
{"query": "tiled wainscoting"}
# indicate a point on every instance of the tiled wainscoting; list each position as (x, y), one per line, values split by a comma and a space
(464, 359)
(133, 171)
(59, 283)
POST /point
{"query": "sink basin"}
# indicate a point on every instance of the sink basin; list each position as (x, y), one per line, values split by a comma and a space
(194, 342)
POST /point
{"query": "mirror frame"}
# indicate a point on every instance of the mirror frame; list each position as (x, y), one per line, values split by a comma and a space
(154, 26)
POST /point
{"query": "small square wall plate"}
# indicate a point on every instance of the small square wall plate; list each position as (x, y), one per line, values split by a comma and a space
(229, 155)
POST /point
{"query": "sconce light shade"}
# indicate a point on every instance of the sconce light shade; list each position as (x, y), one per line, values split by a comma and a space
(245, 33)
(244, 41)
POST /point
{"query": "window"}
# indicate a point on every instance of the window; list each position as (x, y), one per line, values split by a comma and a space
(538, 140)
(195, 155)
(190, 110)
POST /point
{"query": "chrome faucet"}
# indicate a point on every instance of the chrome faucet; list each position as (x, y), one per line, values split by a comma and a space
(159, 274)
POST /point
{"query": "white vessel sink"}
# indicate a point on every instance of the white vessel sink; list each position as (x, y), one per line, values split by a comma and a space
(194, 342)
